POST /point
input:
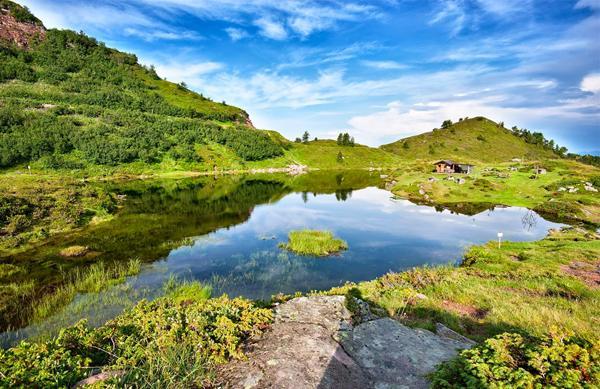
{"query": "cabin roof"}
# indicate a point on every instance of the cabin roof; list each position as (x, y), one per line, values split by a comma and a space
(446, 161)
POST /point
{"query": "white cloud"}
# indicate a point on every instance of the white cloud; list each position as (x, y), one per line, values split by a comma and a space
(591, 83)
(188, 72)
(271, 28)
(150, 35)
(385, 65)
(80, 16)
(399, 120)
(236, 34)
(593, 4)
(452, 13)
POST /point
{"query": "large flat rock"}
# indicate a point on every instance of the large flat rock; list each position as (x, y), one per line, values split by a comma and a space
(313, 344)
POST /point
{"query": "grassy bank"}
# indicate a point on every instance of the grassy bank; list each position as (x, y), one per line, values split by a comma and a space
(524, 287)
(535, 306)
(512, 184)
(312, 242)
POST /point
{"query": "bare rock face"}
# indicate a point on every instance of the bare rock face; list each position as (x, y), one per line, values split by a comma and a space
(313, 344)
(19, 33)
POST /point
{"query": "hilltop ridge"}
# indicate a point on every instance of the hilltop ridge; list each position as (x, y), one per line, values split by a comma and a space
(477, 139)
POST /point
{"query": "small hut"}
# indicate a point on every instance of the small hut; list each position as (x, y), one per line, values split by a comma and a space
(448, 166)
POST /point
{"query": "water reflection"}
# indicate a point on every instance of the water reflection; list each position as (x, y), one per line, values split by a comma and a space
(226, 232)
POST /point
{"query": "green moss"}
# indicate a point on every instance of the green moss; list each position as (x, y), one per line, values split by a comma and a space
(312, 242)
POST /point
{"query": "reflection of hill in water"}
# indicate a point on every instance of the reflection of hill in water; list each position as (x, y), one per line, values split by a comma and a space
(158, 215)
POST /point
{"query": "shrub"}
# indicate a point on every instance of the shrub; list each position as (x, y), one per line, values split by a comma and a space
(475, 254)
(161, 341)
(510, 360)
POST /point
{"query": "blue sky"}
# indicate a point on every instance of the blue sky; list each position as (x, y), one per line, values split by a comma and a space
(381, 70)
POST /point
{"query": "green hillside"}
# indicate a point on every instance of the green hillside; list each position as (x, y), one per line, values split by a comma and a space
(471, 140)
(68, 101)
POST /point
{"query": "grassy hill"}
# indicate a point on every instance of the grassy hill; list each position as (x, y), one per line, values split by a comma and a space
(471, 140)
(68, 101)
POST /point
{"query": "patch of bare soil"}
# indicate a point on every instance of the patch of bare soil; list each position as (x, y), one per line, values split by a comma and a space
(585, 271)
(465, 310)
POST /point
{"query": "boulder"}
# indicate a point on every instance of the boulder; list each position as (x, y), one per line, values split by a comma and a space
(316, 342)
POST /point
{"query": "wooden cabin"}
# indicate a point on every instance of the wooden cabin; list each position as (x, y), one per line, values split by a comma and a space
(447, 166)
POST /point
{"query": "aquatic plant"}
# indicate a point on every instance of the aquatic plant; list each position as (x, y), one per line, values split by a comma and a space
(313, 242)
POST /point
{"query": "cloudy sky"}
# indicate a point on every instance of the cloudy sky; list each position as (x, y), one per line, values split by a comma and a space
(380, 69)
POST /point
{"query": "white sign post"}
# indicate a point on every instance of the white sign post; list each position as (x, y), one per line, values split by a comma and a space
(500, 235)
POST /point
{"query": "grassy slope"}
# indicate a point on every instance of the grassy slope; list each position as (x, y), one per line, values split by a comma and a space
(322, 154)
(183, 98)
(460, 143)
(521, 287)
(503, 186)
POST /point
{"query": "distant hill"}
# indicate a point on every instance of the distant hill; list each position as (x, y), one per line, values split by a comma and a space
(470, 140)
(68, 101)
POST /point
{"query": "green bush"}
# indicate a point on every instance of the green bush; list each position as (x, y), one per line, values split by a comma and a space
(154, 340)
(476, 254)
(133, 121)
(510, 360)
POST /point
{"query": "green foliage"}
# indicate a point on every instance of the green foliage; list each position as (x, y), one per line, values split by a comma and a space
(74, 95)
(588, 159)
(159, 343)
(469, 140)
(510, 360)
(20, 13)
(340, 157)
(537, 138)
(312, 242)
(560, 209)
(344, 139)
(305, 137)
(447, 124)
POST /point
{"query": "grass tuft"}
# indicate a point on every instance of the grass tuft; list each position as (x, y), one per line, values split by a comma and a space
(313, 242)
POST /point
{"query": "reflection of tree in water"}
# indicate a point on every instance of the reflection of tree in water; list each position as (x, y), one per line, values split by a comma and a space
(529, 220)
(469, 209)
(343, 194)
(305, 197)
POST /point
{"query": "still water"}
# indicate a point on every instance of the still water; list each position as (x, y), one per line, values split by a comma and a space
(236, 248)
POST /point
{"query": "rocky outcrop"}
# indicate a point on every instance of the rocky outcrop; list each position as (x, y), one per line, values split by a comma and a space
(313, 343)
(19, 33)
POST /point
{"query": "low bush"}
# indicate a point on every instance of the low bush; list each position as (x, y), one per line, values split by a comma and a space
(511, 360)
(174, 341)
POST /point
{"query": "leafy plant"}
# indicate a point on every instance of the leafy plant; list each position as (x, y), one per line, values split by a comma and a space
(511, 360)
(174, 341)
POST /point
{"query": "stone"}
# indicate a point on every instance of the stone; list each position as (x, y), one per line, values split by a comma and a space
(421, 191)
(315, 342)
(100, 377)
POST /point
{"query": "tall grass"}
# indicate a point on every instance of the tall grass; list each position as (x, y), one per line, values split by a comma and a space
(313, 242)
(94, 279)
